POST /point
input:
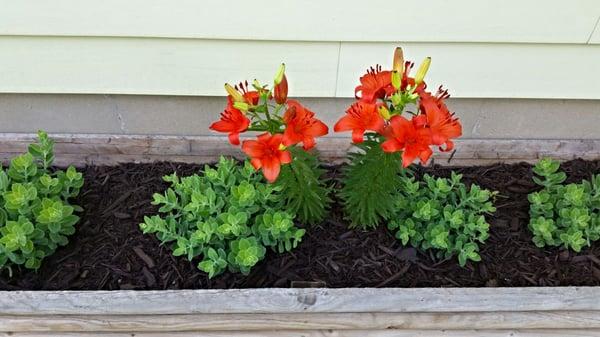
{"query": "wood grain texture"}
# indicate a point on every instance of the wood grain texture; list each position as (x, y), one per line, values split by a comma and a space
(359, 300)
(302, 321)
(85, 149)
(329, 333)
(337, 20)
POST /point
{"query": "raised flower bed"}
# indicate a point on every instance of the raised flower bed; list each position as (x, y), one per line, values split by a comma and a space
(486, 244)
(118, 257)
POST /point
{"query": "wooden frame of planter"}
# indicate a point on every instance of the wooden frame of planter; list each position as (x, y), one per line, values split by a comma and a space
(353, 312)
(426, 312)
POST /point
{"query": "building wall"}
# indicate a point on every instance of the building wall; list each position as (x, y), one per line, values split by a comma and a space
(185, 115)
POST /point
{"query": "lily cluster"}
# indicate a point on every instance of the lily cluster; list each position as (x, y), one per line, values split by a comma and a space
(282, 123)
(382, 99)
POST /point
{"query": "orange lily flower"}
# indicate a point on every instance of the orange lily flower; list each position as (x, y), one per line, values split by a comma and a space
(360, 117)
(301, 126)
(250, 96)
(443, 125)
(267, 153)
(374, 84)
(232, 121)
(404, 135)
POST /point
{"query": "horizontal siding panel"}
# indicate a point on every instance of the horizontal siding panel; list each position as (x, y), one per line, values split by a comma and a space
(595, 37)
(487, 70)
(315, 69)
(160, 66)
(530, 21)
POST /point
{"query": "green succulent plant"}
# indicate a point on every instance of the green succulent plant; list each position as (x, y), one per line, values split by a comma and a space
(563, 215)
(442, 214)
(35, 214)
(226, 216)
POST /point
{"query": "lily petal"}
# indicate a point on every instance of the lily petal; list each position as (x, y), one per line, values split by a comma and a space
(357, 136)
(270, 168)
(392, 145)
(234, 138)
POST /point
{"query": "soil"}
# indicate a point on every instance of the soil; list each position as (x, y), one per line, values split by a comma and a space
(109, 252)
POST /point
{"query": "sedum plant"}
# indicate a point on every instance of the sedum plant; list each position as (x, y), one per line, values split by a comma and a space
(227, 216)
(563, 215)
(442, 214)
(401, 120)
(283, 124)
(35, 214)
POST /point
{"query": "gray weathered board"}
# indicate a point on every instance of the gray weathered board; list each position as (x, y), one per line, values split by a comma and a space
(569, 311)
(428, 312)
(82, 149)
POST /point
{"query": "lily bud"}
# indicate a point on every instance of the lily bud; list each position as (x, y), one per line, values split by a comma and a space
(237, 97)
(242, 106)
(396, 79)
(280, 74)
(280, 91)
(398, 60)
(384, 112)
(422, 70)
(256, 85)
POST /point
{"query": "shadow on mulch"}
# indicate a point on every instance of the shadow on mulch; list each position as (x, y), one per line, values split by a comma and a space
(109, 251)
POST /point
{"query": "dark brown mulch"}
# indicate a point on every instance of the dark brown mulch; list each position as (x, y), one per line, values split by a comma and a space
(109, 251)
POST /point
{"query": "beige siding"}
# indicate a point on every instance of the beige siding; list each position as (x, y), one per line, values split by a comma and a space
(481, 49)
(595, 36)
(532, 21)
(315, 69)
(488, 70)
(160, 66)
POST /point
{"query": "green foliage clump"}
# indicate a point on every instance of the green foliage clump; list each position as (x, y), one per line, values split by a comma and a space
(567, 215)
(369, 183)
(305, 193)
(35, 214)
(442, 214)
(227, 215)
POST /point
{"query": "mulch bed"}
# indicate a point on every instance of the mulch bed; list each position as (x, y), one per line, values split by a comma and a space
(110, 252)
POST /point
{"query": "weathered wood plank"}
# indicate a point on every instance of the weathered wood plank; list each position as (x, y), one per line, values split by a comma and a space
(94, 159)
(83, 149)
(302, 321)
(328, 333)
(359, 300)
